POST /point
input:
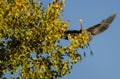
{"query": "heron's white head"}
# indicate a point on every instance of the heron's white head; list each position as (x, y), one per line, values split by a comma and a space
(81, 23)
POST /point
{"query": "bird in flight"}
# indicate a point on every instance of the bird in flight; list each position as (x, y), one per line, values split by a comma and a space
(95, 29)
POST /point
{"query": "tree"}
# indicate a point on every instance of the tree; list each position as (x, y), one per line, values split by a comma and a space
(27, 28)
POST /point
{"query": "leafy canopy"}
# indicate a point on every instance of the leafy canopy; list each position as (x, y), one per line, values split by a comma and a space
(27, 29)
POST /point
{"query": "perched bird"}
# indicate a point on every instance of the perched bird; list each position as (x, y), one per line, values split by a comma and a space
(95, 29)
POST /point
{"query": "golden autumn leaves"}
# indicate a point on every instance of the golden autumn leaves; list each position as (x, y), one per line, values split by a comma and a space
(79, 39)
(28, 27)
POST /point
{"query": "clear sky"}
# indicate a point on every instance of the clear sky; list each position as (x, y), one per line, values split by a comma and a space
(105, 63)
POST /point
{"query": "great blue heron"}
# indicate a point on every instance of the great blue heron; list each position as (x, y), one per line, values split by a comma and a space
(95, 29)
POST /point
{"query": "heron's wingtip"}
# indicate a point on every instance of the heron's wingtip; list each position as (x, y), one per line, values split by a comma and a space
(111, 18)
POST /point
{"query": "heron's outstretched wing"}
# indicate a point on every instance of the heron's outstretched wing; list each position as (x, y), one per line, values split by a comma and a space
(102, 26)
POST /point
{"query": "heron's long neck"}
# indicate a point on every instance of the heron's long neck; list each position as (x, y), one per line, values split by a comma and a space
(81, 26)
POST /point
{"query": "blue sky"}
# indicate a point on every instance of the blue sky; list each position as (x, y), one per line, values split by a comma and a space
(105, 63)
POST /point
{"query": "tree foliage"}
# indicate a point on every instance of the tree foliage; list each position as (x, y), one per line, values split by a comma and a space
(27, 28)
